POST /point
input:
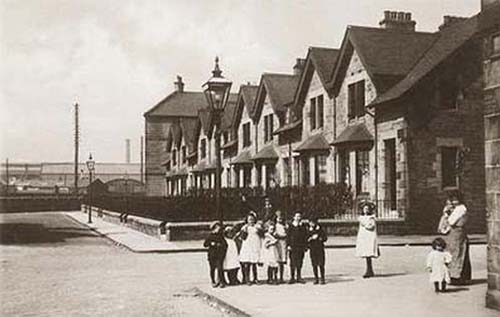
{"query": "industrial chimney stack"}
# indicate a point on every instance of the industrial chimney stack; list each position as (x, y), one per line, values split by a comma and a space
(127, 151)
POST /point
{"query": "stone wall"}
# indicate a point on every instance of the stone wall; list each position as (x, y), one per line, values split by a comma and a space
(155, 154)
(491, 70)
(430, 127)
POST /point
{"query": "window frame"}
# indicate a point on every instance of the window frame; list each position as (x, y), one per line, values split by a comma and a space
(247, 138)
(451, 169)
(356, 100)
(320, 110)
(312, 113)
(203, 148)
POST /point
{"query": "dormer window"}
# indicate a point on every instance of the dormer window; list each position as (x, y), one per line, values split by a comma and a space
(356, 100)
(448, 91)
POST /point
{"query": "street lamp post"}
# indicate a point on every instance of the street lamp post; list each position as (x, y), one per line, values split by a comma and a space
(91, 168)
(126, 192)
(217, 90)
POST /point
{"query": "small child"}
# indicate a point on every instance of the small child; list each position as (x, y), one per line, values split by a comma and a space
(270, 254)
(437, 263)
(250, 248)
(296, 245)
(231, 263)
(444, 226)
(280, 234)
(217, 247)
(316, 240)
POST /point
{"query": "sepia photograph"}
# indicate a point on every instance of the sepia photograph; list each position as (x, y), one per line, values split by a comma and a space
(250, 158)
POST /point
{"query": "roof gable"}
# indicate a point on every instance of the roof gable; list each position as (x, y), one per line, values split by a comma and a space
(386, 54)
(245, 101)
(450, 39)
(281, 89)
(189, 128)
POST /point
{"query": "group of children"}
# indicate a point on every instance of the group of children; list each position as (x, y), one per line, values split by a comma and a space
(268, 244)
(273, 243)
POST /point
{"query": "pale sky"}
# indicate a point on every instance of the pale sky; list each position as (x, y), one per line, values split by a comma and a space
(117, 58)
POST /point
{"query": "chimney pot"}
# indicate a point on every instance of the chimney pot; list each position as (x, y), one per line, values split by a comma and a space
(398, 20)
(299, 66)
(401, 16)
(387, 14)
(408, 16)
(179, 85)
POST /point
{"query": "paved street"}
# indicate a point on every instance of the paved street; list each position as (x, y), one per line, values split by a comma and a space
(53, 266)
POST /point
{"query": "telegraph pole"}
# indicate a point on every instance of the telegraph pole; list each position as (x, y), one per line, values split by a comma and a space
(77, 146)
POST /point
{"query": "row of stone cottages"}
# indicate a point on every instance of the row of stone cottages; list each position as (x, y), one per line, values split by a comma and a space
(394, 112)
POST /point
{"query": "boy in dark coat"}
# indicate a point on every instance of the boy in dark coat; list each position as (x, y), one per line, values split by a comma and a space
(217, 247)
(297, 245)
(316, 242)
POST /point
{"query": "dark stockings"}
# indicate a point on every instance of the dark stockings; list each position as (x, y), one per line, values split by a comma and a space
(369, 268)
(220, 274)
(321, 272)
(272, 275)
(246, 272)
(282, 270)
(443, 286)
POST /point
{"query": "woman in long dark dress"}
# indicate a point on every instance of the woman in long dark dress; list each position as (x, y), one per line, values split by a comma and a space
(457, 241)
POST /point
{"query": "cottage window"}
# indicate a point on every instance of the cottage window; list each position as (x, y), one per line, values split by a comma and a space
(312, 114)
(174, 157)
(320, 111)
(246, 135)
(449, 177)
(344, 167)
(183, 153)
(268, 127)
(320, 171)
(203, 149)
(495, 44)
(362, 170)
(247, 176)
(356, 100)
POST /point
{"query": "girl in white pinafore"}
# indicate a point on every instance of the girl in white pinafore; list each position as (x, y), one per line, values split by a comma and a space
(250, 248)
(437, 263)
(231, 265)
(366, 241)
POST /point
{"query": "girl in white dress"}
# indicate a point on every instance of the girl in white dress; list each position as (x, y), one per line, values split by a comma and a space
(250, 248)
(269, 255)
(231, 264)
(366, 241)
(437, 264)
(280, 234)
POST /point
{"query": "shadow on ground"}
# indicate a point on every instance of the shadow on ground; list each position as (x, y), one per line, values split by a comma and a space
(36, 233)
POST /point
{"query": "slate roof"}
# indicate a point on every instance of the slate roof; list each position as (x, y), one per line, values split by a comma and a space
(288, 127)
(387, 54)
(205, 121)
(179, 104)
(315, 142)
(324, 60)
(280, 88)
(249, 93)
(229, 114)
(450, 39)
(267, 153)
(243, 158)
(229, 144)
(354, 134)
(189, 128)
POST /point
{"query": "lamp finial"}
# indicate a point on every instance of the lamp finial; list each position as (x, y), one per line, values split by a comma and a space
(217, 72)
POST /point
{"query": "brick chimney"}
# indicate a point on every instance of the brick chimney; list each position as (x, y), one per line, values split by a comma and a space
(397, 21)
(450, 20)
(179, 85)
(300, 63)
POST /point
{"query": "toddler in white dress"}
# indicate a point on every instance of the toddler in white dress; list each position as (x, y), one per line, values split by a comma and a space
(437, 264)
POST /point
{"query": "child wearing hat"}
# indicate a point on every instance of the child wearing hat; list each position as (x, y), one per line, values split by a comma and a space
(217, 247)
(316, 242)
(231, 264)
(366, 241)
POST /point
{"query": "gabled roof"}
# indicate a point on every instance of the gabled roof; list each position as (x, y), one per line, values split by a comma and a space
(189, 128)
(228, 119)
(280, 88)
(288, 127)
(246, 100)
(387, 54)
(450, 39)
(315, 142)
(206, 121)
(179, 104)
(354, 134)
(319, 59)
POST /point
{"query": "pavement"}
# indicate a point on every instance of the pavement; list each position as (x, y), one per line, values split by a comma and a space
(141, 243)
(52, 265)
